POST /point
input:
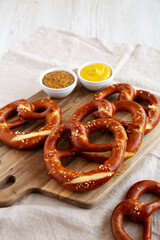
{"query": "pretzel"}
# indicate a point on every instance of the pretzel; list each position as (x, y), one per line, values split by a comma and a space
(87, 181)
(135, 129)
(136, 210)
(127, 92)
(52, 115)
(152, 110)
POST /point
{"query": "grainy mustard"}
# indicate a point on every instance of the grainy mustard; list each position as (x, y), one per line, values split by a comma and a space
(58, 79)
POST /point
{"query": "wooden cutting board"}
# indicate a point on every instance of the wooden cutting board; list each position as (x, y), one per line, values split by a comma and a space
(23, 171)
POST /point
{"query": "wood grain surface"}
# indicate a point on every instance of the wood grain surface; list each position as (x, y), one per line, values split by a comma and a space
(23, 172)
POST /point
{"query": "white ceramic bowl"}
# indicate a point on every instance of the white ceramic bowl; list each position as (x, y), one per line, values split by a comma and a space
(94, 86)
(58, 92)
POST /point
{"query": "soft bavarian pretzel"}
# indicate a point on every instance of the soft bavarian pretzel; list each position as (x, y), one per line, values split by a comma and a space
(83, 112)
(127, 92)
(87, 181)
(152, 110)
(136, 210)
(52, 115)
(135, 129)
(9, 110)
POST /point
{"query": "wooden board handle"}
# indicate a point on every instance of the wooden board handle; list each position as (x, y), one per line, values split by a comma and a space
(9, 191)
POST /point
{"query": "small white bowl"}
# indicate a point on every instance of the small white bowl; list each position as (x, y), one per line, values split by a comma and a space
(94, 86)
(58, 92)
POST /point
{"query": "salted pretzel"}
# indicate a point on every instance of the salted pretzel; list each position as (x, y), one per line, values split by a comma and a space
(135, 129)
(152, 110)
(52, 116)
(84, 181)
(127, 92)
(136, 210)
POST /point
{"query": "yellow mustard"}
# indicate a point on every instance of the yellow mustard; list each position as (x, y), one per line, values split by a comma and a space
(96, 72)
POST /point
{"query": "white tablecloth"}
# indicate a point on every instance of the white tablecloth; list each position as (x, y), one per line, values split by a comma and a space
(40, 217)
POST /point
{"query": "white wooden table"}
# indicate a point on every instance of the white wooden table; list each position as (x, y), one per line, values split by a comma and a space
(129, 21)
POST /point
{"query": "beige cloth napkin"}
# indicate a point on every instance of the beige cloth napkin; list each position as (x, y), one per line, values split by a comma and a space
(40, 217)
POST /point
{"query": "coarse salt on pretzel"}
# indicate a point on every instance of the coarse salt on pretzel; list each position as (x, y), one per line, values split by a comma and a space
(135, 128)
(95, 105)
(82, 112)
(127, 92)
(152, 110)
(136, 210)
(52, 115)
(79, 181)
(9, 110)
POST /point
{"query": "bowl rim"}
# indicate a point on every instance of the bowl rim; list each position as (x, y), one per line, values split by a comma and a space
(58, 69)
(94, 62)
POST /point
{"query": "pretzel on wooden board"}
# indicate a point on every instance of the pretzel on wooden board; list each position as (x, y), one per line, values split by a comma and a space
(52, 115)
(136, 210)
(127, 92)
(11, 108)
(135, 128)
(84, 181)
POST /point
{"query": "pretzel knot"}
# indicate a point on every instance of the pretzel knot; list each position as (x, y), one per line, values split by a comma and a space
(127, 92)
(87, 181)
(135, 129)
(135, 210)
(52, 116)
